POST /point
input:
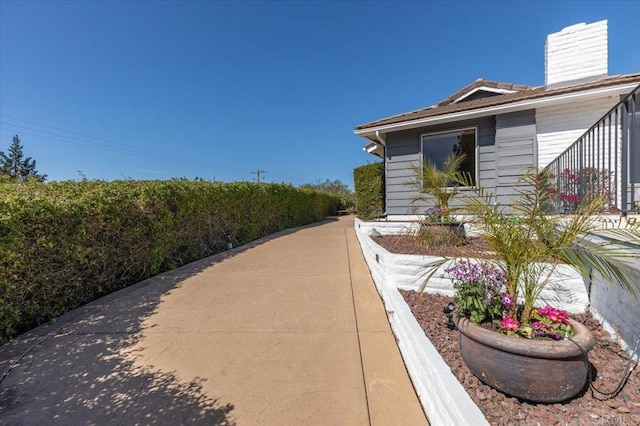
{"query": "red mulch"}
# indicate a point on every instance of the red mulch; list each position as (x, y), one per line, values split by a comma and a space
(402, 244)
(586, 409)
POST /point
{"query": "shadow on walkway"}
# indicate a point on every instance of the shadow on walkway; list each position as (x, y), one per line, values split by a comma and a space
(80, 369)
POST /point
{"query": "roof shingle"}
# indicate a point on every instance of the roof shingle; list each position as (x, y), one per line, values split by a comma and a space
(523, 93)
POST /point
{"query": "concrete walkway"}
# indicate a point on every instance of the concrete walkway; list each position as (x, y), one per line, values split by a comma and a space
(285, 331)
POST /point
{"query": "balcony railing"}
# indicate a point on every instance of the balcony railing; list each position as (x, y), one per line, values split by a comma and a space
(604, 161)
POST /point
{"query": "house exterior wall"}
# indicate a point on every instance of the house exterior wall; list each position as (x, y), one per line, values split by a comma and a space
(516, 152)
(403, 151)
(508, 145)
(561, 125)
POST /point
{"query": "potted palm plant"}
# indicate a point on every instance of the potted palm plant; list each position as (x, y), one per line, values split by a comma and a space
(436, 187)
(507, 339)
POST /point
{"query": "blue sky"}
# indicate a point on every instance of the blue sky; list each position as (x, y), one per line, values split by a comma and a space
(162, 89)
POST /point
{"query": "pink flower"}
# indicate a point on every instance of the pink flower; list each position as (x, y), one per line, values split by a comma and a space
(554, 315)
(510, 324)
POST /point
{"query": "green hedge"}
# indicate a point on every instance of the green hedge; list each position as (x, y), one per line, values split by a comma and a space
(64, 244)
(368, 181)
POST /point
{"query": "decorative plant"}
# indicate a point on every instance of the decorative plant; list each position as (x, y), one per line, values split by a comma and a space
(479, 289)
(591, 181)
(481, 296)
(436, 215)
(551, 322)
(439, 183)
(531, 243)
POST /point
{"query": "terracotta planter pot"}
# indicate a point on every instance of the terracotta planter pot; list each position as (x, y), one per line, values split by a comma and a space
(533, 370)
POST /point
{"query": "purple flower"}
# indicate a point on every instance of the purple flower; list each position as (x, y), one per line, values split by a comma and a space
(489, 298)
(507, 301)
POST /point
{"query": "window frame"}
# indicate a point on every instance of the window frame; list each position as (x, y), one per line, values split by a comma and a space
(476, 150)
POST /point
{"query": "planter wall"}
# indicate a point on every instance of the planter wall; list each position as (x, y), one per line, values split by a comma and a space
(567, 291)
(618, 312)
(610, 304)
(443, 398)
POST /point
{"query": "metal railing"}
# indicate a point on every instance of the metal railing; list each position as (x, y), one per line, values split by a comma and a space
(605, 161)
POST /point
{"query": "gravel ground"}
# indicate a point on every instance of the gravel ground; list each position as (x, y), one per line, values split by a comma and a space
(402, 244)
(588, 408)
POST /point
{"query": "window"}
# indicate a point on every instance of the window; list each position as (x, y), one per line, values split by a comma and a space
(437, 147)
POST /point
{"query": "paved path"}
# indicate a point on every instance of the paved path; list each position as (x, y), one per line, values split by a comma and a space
(286, 331)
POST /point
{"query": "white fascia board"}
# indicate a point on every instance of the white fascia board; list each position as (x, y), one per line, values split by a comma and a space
(484, 89)
(499, 109)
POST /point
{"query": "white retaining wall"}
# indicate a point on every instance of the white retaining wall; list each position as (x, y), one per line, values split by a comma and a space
(566, 290)
(616, 308)
(442, 396)
(618, 313)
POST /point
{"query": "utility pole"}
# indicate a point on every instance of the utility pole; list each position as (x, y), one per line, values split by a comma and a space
(258, 173)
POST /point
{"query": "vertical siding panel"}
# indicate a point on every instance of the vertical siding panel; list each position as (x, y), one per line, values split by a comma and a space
(516, 152)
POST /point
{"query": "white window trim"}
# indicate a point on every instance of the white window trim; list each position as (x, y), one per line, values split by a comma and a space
(476, 149)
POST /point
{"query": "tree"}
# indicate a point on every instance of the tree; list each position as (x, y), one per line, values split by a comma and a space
(15, 167)
(337, 188)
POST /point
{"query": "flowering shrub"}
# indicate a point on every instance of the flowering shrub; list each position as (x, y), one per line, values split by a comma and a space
(481, 296)
(479, 290)
(551, 322)
(510, 324)
(595, 183)
(437, 215)
(530, 244)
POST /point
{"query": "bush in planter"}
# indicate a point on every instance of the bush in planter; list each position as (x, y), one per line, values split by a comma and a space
(438, 184)
(531, 247)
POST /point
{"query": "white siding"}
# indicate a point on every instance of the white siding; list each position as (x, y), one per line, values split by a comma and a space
(559, 126)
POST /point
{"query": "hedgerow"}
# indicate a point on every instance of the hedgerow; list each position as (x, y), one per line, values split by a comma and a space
(368, 181)
(64, 244)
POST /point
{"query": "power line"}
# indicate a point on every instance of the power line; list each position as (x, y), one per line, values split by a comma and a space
(86, 141)
(258, 172)
(90, 142)
(69, 137)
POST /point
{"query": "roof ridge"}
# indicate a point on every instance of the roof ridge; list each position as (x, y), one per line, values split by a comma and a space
(482, 82)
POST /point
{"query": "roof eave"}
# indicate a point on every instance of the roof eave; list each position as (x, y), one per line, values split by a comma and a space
(498, 109)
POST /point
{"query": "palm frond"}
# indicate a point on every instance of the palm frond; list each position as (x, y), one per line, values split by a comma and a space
(607, 260)
(430, 271)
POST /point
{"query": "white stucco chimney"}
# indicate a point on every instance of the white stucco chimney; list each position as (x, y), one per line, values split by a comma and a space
(576, 53)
